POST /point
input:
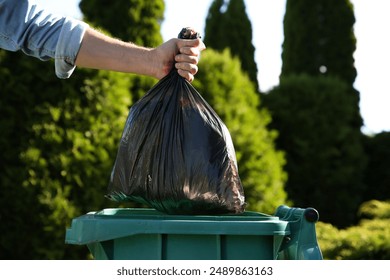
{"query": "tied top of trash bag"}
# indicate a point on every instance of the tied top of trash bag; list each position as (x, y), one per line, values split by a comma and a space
(175, 154)
(188, 33)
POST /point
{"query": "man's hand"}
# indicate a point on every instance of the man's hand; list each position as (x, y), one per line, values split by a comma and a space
(179, 53)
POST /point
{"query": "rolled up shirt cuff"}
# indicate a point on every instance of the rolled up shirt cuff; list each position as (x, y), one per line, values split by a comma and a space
(68, 46)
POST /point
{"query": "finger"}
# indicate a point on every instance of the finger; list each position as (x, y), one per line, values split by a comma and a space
(191, 68)
(196, 44)
(185, 74)
(201, 45)
(190, 51)
(183, 58)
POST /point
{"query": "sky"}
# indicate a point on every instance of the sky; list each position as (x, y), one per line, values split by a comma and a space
(372, 55)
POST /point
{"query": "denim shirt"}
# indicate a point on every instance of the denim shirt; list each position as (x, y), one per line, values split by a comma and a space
(24, 26)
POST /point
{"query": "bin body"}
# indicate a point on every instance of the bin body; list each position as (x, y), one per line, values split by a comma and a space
(146, 234)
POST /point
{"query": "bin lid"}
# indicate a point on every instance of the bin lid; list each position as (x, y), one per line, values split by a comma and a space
(115, 223)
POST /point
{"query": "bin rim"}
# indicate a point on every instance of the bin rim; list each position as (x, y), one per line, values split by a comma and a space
(113, 223)
(149, 213)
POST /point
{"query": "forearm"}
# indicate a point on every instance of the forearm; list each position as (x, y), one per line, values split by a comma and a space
(99, 51)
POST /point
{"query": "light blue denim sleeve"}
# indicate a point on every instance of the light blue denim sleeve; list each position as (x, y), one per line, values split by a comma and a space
(25, 26)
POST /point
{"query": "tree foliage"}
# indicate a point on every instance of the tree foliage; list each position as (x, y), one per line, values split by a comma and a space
(325, 158)
(61, 137)
(235, 100)
(136, 21)
(319, 39)
(316, 109)
(377, 175)
(228, 26)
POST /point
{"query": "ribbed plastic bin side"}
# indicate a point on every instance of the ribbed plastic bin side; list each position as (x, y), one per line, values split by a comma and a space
(145, 234)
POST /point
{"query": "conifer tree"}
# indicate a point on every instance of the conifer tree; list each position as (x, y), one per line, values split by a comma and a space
(324, 153)
(319, 39)
(136, 21)
(228, 26)
(319, 43)
(215, 32)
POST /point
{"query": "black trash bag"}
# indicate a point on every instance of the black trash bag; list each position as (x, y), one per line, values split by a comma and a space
(176, 155)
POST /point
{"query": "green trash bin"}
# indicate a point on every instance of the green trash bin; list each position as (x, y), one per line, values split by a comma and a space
(146, 234)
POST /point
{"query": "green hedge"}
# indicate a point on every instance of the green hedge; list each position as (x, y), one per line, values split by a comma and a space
(369, 240)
